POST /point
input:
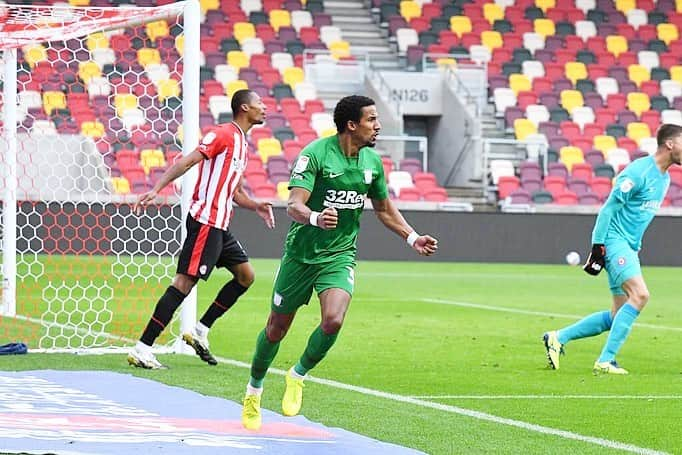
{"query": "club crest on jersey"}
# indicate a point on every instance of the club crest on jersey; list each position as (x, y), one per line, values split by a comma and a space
(301, 164)
(621, 261)
(237, 163)
(368, 176)
(626, 185)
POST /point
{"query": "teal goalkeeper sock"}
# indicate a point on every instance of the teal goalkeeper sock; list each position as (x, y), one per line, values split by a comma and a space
(588, 326)
(262, 358)
(319, 344)
(620, 329)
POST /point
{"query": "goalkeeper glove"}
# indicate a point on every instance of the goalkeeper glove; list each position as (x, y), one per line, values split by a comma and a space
(596, 260)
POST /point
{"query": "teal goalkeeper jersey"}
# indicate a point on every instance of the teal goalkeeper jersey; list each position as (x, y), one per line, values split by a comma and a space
(634, 200)
(334, 180)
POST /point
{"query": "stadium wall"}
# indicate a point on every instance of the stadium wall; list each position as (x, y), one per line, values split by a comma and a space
(465, 237)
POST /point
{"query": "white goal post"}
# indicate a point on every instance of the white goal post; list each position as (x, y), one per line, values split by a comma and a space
(96, 103)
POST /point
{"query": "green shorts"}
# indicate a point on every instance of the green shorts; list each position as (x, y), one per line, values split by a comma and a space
(295, 281)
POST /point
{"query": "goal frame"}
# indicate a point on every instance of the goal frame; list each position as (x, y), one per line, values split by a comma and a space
(191, 13)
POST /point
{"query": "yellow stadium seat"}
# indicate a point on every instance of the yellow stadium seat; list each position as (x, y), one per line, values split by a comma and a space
(570, 99)
(638, 102)
(575, 71)
(180, 135)
(180, 44)
(460, 25)
(625, 5)
(604, 143)
(88, 70)
(544, 5)
(570, 155)
(53, 100)
(328, 132)
(237, 60)
(492, 12)
(208, 5)
(491, 39)
(678, 6)
(243, 30)
(124, 102)
(544, 27)
(616, 44)
(280, 18)
(283, 191)
(168, 88)
(676, 72)
(157, 29)
(150, 158)
(233, 86)
(523, 128)
(79, 2)
(445, 62)
(667, 32)
(638, 74)
(292, 76)
(410, 9)
(120, 185)
(92, 129)
(339, 48)
(148, 55)
(519, 83)
(638, 131)
(34, 53)
(97, 40)
(268, 147)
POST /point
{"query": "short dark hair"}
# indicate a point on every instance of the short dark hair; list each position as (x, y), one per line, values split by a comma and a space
(349, 108)
(667, 131)
(240, 97)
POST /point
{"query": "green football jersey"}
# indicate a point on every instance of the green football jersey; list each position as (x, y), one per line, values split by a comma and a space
(334, 180)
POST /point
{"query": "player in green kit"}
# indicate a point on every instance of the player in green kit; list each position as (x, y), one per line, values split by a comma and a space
(329, 183)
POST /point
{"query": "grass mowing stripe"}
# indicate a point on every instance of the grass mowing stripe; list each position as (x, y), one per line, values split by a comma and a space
(533, 313)
(544, 397)
(465, 412)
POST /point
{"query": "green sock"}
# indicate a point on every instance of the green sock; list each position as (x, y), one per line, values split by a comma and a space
(262, 358)
(319, 344)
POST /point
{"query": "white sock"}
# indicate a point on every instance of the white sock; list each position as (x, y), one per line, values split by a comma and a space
(294, 374)
(143, 348)
(201, 330)
(251, 390)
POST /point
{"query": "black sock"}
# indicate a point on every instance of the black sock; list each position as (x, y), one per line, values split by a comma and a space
(163, 313)
(227, 296)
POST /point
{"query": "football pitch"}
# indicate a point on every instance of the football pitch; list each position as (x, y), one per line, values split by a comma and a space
(447, 358)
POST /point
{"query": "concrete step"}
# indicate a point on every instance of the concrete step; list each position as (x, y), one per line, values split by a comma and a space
(371, 33)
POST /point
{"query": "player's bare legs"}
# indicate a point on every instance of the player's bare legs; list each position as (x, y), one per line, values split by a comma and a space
(334, 304)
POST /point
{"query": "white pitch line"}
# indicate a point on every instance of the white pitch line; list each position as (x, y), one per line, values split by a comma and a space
(545, 397)
(466, 412)
(532, 313)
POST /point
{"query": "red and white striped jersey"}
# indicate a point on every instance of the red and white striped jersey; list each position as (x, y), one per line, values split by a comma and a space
(225, 150)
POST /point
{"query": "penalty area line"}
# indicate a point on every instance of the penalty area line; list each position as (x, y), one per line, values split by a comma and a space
(547, 397)
(502, 309)
(465, 412)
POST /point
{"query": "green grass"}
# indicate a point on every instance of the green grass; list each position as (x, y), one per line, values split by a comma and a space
(396, 341)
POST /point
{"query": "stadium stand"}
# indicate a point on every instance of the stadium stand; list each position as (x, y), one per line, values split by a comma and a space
(245, 44)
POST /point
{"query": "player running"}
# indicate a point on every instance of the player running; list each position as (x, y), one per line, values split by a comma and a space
(329, 183)
(617, 237)
(209, 243)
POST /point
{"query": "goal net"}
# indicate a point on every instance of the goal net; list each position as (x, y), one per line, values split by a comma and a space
(97, 103)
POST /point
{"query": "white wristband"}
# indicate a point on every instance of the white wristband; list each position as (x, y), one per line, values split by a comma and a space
(313, 218)
(412, 238)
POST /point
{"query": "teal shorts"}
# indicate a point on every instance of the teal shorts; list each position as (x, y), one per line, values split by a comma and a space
(296, 280)
(622, 263)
